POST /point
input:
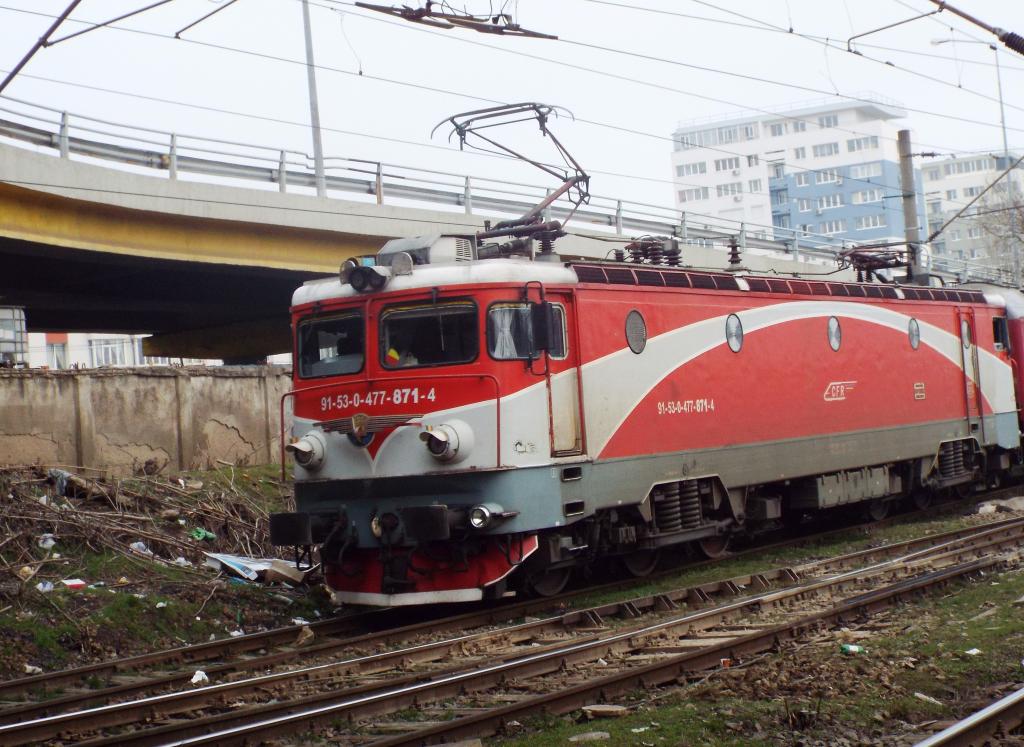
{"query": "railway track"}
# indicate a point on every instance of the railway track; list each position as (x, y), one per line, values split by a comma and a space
(995, 720)
(372, 682)
(251, 651)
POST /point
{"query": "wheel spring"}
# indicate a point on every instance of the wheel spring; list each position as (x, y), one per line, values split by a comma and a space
(667, 511)
(689, 504)
(951, 460)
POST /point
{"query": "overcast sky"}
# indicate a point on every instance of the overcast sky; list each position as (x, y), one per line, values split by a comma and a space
(243, 61)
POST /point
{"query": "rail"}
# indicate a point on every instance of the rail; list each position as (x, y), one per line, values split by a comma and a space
(226, 161)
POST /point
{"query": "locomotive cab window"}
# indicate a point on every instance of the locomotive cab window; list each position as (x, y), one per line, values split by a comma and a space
(430, 334)
(510, 332)
(331, 347)
(1000, 333)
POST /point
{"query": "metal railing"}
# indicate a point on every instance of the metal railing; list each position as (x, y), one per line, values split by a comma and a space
(290, 170)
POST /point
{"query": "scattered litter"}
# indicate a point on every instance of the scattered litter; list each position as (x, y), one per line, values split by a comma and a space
(236, 633)
(32, 669)
(640, 729)
(73, 583)
(987, 613)
(300, 621)
(929, 699)
(203, 535)
(25, 573)
(200, 678)
(602, 663)
(161, 605)
(44, 586)
(183, 562)
(47, 541)
(305, 636)
(170, 513)
(282, 598)
(140, 548)
(603, 710)
(973, 651)
(852, 648)
(123, 580)
(1004, 505)
(591, 736)
(59, 478)
(725, 663)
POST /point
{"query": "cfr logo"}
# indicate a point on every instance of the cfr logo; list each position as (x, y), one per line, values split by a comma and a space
(836, 391)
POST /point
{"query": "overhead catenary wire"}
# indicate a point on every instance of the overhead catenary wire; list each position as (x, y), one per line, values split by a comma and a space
(461, 94)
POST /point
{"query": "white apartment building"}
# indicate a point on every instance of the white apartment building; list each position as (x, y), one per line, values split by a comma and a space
(60, 350)
(988, 234)
(819, 170)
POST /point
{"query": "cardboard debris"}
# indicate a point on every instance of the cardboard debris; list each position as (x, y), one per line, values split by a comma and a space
(269, 570)
(306, 635)
(602, 710)
(74, 583)
(591, 736)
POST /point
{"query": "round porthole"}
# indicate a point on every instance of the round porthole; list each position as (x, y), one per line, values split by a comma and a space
(914, 332)
(734, 332)
(965, 332)
(636, 332)
(835, 333)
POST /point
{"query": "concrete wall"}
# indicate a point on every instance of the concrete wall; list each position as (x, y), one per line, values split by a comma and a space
(118, 419)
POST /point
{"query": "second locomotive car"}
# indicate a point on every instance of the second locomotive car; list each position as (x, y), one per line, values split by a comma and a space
(466, 427)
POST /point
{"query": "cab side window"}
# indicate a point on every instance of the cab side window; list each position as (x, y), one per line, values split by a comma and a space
(1001, 333)
(510, 332)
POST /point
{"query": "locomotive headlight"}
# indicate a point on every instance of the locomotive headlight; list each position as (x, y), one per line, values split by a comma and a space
(308, 451)
(483, 515)
(375, 528)
(449, 442)
(364, 279)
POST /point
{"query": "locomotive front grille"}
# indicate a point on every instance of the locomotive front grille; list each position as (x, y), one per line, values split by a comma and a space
(365, 424)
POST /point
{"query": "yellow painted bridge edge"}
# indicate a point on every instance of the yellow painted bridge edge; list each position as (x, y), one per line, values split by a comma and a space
(55, 220)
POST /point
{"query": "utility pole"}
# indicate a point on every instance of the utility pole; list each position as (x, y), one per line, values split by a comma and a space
(911, 231)
(314, 107)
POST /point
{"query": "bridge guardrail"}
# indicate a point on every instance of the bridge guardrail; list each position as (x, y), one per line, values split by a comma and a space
(174, 153)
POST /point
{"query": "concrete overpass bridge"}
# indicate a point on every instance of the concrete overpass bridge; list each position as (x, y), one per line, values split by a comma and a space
(99, 233)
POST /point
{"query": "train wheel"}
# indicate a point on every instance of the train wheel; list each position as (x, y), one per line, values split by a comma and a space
(877, 510)
(713, 548)
(641, 563)
(550, 582)
(921, 499)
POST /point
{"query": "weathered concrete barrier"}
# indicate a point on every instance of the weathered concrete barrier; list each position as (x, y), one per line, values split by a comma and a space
(120, 419)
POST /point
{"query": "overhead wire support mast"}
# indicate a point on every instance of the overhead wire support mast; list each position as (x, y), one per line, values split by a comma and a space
(1010, 39)
(39, 44)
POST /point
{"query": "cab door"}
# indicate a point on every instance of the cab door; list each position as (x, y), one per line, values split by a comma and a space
(563, 381)
(972, 379)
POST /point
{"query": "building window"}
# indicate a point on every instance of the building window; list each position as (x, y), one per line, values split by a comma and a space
(57, 355)
(865, 170)
(830, 201)
(862, 143)
(697, 193)
(828, 176)
(803, 178)
(935, 206)
(954, 235)
(867, 195)
(780, 221)
(870, 221)
(732, 188)
(754, 186)
(690, 169)
(828, 120)
(777, 129)
(974, 233)
(799, 125)
(753, 160)
(778, 170)
(832, 226)
(804, 205)
(727, 134)
(799, 153)
(107, 353)
(805, 227)
(727, 164)
(972, 191)
(950, 194)
(967, 167)
(825, 149)
(749, 131)
(933, 175)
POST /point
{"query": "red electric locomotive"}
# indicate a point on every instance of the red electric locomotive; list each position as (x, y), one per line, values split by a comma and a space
(469, 422)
